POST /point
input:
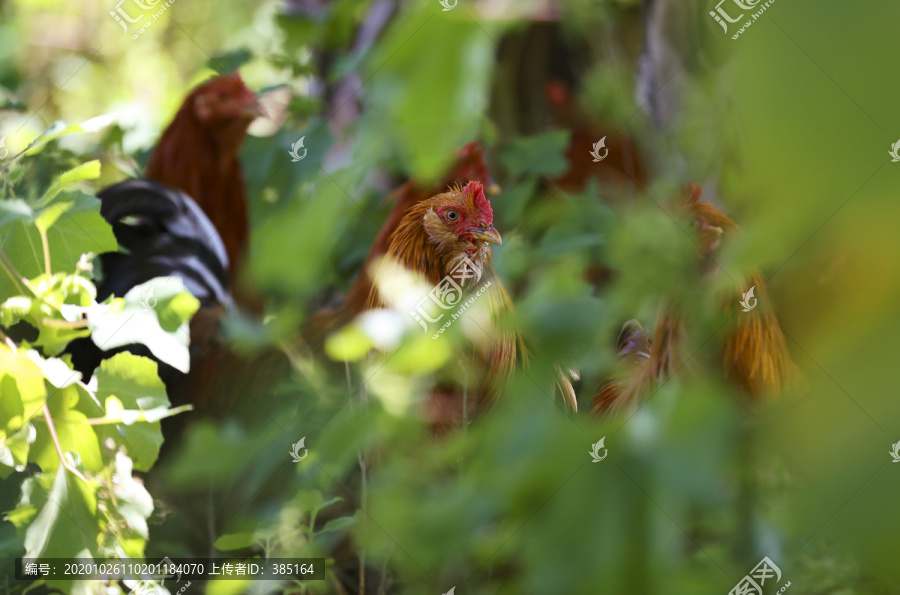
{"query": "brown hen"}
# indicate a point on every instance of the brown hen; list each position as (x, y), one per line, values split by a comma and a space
(755, 354)
(198, 154)
(469, 165)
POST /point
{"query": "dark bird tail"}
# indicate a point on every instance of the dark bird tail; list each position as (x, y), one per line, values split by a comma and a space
(161, 233)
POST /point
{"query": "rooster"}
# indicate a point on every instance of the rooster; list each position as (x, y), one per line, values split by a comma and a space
(189, 220)
(434, 238)
(755, 354)
(469, 165)
(198, 154)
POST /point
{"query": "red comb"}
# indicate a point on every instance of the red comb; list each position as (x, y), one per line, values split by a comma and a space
(476, 190)
(692, 192)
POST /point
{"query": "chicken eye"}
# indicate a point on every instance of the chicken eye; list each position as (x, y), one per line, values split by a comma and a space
(223, 96)
(452, 215)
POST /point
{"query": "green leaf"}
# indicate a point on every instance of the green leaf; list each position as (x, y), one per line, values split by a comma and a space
(14, 210)
(85, 171)
(54, 339)
(59, 128)
(229, 61)
(234, 541)
(67, 524)
(432, 85)
(134, 503)
(349, 344)
(75, 227)
(156, 314)
(14, 450)
(74, 435)
(57, 372)
(539, 155)
(22, 386)
(340, 523)
(133, 382)
(14, 309)
(313, 501)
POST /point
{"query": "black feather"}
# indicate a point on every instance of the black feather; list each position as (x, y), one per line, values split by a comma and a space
(161, 232)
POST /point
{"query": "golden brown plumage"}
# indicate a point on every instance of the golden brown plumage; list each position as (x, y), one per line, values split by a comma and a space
(469, 166)
(432, 239)
(755, 354)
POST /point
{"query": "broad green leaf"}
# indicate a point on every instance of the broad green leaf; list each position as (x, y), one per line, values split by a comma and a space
(432, 85)
(57, 372)
(67, 525)
(75, 436)
(132, 381)
(22, 387)
(77, 228)
(155, 314)
(12, 210)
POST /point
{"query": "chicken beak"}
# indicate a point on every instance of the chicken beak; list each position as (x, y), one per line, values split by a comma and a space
(492, 189)
(489, 235)
(253, 111)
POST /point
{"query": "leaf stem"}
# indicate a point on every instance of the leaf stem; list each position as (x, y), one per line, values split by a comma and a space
(64, 323)
(46, 245)
(62, 458)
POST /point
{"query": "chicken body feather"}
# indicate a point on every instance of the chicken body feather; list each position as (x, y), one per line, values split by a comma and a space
(754, 354)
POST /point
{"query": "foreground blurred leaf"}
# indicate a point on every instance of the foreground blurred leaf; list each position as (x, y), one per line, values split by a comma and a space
(155, 314)
(432, 84)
